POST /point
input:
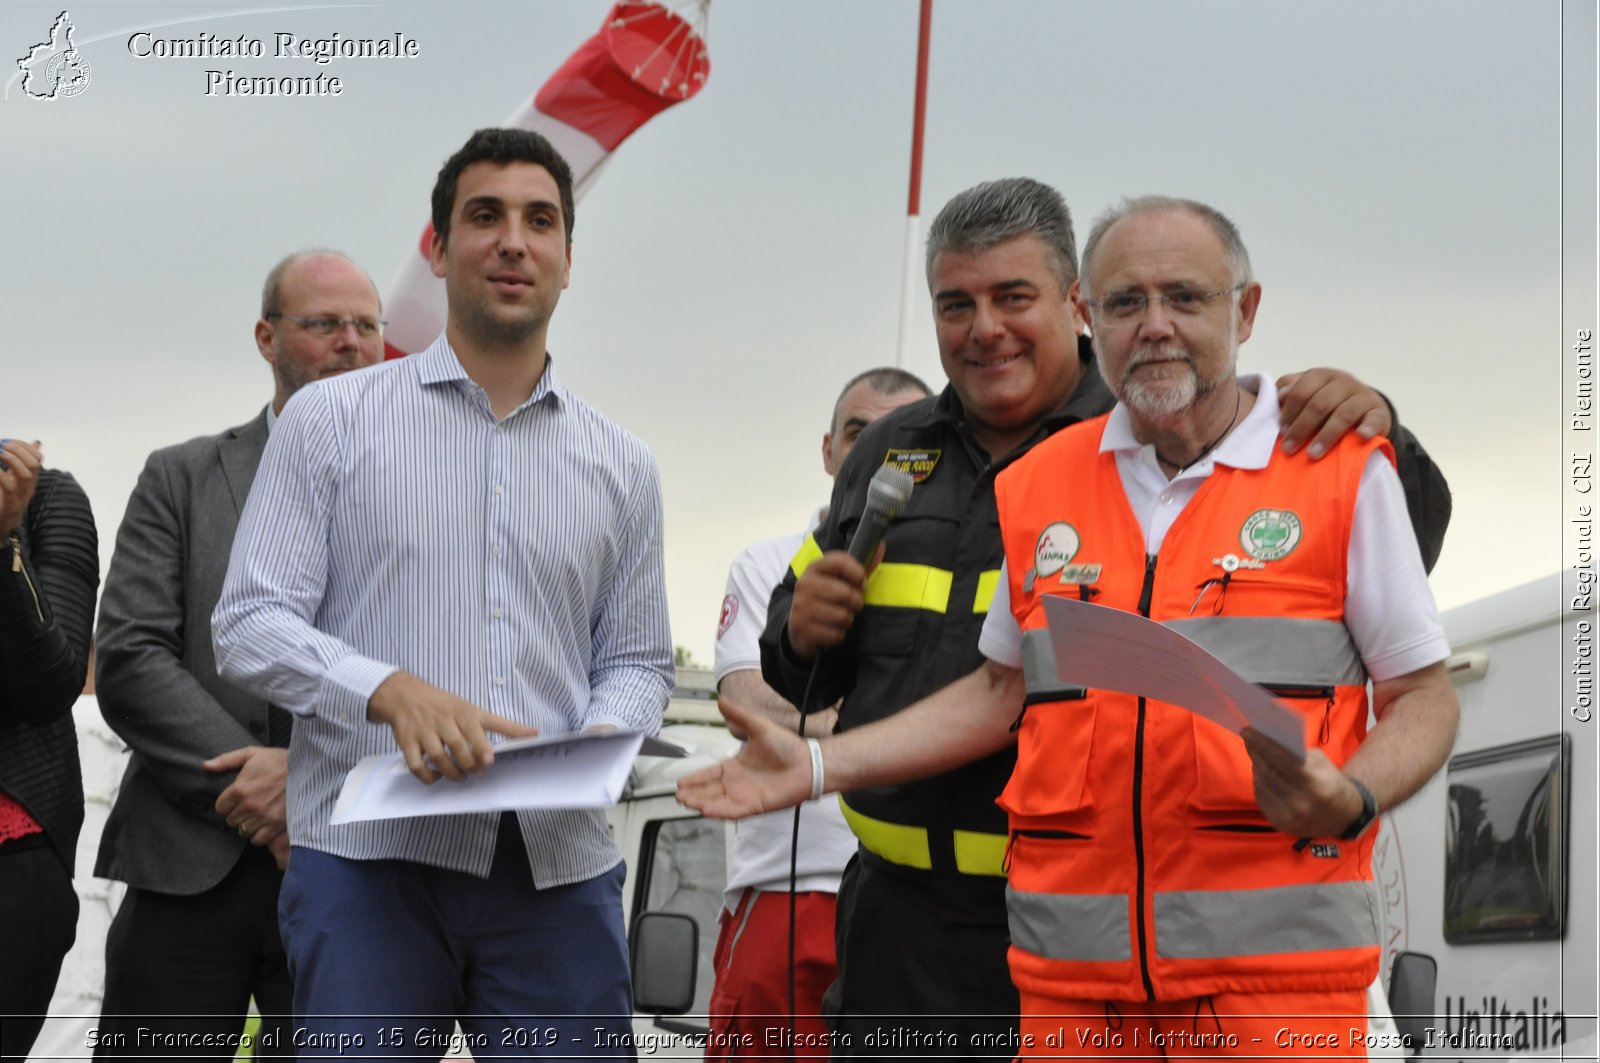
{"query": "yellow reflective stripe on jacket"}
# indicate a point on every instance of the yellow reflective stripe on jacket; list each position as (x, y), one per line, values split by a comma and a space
(898, 585)
(988, 580)
(809, 551)
(895, 842)
(977, 853)
(902, 586)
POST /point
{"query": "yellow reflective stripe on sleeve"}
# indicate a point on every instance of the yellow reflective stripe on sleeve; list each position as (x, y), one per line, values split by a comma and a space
(809, 551)
(988, 580)
(895, 842)
(902, 586)
(980, 854)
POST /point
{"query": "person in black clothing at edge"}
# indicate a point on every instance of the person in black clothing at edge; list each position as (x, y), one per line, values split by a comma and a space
(49, 572)
(921, 929)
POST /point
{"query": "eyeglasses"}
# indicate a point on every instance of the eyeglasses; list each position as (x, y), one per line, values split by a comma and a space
(325, 327)
(1180, 302)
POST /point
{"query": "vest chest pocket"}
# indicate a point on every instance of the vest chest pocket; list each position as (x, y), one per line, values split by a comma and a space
(1224, 778)
(1270, 591)
(1054, 745)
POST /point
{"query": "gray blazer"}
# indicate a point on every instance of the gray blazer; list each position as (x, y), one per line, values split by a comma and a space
(155, 674)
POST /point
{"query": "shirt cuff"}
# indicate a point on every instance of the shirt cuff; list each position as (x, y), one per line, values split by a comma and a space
(348, 687)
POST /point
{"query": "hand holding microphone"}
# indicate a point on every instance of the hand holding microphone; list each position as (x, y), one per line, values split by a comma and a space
(828, 595)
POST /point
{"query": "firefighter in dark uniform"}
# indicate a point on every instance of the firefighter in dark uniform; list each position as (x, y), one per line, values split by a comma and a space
(921, 930)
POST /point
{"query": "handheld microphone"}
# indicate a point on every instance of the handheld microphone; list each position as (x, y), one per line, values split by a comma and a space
(887, 495)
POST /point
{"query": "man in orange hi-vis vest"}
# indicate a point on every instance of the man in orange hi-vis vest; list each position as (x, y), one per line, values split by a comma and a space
(1175, 891)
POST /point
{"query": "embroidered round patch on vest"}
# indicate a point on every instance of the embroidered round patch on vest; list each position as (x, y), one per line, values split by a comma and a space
(1057, 545)
(1270, 534)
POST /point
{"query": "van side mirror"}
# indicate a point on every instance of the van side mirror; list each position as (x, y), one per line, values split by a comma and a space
(1412, 981)
(665, 952)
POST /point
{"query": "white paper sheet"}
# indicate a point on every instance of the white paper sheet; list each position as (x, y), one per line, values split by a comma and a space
(559, 771)
(1109, 649)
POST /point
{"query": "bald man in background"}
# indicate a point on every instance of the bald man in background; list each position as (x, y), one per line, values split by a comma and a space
(198, 830)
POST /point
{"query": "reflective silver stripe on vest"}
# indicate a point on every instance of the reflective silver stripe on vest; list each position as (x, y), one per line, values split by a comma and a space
(1039, 669)
(1208, 924)
(1070, 926)
(1270, 649)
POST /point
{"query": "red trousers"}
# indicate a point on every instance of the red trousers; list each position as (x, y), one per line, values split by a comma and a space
(1298, 1025)
(750, 998)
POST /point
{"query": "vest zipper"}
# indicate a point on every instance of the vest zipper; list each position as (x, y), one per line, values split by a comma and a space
(18, 567)
(1145, 593)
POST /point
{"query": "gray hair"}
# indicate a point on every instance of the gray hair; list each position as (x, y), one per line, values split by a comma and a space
(886, 380)
(989, 214)
(1227, 232)
(272, 290)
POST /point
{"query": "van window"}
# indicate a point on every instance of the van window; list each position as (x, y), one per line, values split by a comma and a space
(685, 869)
(1506, 857)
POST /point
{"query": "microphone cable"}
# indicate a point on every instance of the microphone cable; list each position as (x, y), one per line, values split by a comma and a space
(887, 494)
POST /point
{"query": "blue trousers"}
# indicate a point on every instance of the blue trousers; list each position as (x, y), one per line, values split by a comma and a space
(387, 955)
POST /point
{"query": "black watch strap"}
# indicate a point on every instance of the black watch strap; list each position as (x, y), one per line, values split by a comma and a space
(1369, 812)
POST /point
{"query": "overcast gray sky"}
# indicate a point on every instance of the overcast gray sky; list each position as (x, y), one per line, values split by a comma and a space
(1396, 170)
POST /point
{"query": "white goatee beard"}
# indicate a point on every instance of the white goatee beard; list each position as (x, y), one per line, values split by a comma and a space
(1164, 399)
(1159, 402)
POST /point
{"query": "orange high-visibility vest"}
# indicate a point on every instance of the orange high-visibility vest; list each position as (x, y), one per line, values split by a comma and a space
(1140, 866)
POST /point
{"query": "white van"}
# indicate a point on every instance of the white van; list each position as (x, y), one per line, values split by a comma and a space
(1488, 873)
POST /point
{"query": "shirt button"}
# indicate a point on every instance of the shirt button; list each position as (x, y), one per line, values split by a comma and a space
(499, 680)
(494, 551)
(495, 614)
(1166, 496)
(499, 490)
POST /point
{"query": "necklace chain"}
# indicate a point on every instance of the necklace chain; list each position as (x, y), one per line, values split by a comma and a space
(1238, 401)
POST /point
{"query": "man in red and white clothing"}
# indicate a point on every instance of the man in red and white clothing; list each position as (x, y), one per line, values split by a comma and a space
(750, 994)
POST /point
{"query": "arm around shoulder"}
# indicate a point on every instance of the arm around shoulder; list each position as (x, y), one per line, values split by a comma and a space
(1427, 493)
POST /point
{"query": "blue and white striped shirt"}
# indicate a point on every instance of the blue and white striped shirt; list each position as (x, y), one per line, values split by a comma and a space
(396, 525)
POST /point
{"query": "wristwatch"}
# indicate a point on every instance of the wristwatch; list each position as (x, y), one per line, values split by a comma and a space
(1369, 812)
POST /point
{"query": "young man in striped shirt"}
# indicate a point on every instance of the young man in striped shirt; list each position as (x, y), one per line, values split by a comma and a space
(447, 546)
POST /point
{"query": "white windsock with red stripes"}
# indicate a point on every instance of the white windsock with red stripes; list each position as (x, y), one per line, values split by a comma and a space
(645, 58)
